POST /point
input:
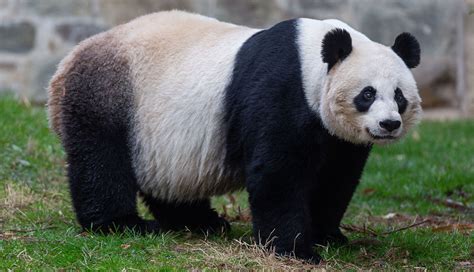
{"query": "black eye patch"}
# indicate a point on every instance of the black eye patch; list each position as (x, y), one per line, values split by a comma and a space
(364, 99)
(401, 101)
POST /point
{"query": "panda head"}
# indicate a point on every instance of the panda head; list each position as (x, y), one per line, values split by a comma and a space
(370, 95)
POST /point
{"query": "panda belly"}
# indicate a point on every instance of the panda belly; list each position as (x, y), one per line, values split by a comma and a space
(178, 135)
(179, 151)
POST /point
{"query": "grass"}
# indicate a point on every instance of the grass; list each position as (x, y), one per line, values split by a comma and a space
(428, 178)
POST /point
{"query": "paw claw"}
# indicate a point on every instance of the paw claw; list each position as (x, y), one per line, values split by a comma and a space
(308, 256)
(218, 225)
(334, 238)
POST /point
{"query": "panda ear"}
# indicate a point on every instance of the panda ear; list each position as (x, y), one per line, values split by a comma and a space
(336, 46)
(408, 49)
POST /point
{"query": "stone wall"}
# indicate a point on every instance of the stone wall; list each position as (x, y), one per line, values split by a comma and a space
(469, 52)
(36, 34)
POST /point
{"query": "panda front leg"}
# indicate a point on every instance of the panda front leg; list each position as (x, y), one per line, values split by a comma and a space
(328, 205)
(195, 215)
(280, 212)
(332, 193)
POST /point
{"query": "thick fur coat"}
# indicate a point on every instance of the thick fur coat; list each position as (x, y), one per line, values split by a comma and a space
(180, 107)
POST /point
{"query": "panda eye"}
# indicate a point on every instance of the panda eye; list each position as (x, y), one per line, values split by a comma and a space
(365, 99)
(401, 101)
(399, 98)
(369, 93)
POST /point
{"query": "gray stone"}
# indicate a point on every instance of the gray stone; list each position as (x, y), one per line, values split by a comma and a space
(17, 37)
(428, 20)
(253, 13)
(40, 71)
(322, 9)
(42, 79)
(57, 8)
(322, 4)
(121, 11)
(469, 51)
(7, 66)
(4, 4)
(76, 32)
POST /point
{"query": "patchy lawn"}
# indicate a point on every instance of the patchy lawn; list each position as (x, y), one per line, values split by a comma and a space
(413, 210)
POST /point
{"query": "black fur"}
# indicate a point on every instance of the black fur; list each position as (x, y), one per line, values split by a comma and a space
(361, 102)
(335, 185)
(196, 216)
(337, 45)
(402, 102)
(408, 49)
(280, 145)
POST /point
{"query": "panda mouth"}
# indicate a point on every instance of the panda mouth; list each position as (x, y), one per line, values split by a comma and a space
(380, 137)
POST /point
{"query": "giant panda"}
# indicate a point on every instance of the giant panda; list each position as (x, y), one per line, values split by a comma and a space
(178, 107)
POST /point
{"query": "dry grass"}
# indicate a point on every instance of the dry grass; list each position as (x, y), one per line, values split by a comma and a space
(242, 255)
(17, 197)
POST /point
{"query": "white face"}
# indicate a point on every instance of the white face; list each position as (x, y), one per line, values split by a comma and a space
(370, 97)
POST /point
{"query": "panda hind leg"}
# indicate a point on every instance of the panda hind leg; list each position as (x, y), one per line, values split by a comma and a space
(95, 109)
(102, 182)
(194, 216)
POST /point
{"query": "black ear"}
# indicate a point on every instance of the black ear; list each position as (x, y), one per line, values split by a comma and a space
(408, 49)
(337, 45)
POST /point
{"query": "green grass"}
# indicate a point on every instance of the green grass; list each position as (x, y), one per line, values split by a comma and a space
(411, 180)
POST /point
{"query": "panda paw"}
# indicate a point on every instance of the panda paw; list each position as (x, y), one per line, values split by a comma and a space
(216, 225)
(335, 238)
(308, 256)
(148, 226)
(312, 258)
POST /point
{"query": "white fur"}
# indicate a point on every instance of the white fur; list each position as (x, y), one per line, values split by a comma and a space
(369, 64)
(182, 64)
(310, 36)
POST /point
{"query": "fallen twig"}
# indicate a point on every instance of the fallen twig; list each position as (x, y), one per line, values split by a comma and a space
(451, 204)
(406, 227)
(373, 233)
(363, 230)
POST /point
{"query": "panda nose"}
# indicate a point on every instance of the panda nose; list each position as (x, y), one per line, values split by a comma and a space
(390, 125)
